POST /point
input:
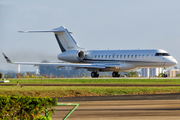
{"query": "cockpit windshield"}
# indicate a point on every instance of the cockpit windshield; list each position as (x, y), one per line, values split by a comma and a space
(162, 54)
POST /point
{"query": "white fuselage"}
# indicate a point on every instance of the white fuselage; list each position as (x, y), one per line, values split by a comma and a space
(102, 60)
(125, 59)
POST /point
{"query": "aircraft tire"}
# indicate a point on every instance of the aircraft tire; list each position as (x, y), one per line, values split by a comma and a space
(97, 74)
(94, 74)
(118, 75)
(115, 74)
(164, 75)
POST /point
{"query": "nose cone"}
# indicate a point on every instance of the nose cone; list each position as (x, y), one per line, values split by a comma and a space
(175, 62)
(171, 62)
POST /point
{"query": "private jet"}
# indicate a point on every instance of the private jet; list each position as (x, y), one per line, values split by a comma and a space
(96, 61)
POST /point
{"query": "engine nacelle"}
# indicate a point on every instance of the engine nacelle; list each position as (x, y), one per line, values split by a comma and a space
(72, 56)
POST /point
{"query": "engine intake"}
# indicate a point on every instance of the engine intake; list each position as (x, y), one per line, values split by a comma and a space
(72, 56)
(80, 55)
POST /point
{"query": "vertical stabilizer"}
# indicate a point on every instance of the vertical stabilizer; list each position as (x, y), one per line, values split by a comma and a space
(65, 40)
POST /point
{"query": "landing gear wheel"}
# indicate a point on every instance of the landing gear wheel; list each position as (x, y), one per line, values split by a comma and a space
(164, 75)
(115, 74)
(94, 74)
(118, 75)
(97, 75)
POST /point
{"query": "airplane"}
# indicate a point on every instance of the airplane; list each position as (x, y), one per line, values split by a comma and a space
(96, 61)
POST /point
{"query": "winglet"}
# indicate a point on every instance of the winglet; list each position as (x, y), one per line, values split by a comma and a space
(7, 59)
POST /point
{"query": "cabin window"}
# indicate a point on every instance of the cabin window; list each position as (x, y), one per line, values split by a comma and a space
(121, 56)
(113, 56)
(131, 56)
(109, 56)
(139, 56)
(124, 56)
(95, 56)
(98, 56)
(135, 56)
(142, 56)
(128, 56)
(102, 56)
(106, 56)
(117, 56)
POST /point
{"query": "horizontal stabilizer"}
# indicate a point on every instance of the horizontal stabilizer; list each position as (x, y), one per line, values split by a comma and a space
(60, 29)
(63, 37)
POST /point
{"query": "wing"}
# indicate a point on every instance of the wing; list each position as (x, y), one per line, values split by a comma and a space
(57, 65)
(116, 67)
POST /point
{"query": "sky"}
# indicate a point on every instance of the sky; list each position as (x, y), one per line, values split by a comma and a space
(96, 24)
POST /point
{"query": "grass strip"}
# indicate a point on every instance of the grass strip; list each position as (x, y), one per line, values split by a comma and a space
(94, 81)
(75, 91)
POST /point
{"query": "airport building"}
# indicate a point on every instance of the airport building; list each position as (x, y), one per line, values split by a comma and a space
(173, 72)
(150, 72)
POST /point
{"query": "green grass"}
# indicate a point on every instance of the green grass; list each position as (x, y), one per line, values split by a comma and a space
(94, 81)
(73, 91)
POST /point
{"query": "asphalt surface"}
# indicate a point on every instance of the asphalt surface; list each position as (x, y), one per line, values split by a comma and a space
(122, 107)
(113, 85)
(121, 110)
(172, 96)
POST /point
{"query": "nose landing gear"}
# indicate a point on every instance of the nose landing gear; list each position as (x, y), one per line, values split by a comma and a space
(164, 75)
(165, 71)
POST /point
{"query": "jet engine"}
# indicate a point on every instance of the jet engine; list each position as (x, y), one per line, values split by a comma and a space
(72, 56)
(80, 55)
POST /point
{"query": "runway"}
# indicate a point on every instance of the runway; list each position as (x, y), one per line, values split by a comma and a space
(122, 110)
(122, 107)
(111, 85)
(171, 96)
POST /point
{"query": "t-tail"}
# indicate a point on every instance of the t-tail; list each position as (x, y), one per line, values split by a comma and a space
(63, 37)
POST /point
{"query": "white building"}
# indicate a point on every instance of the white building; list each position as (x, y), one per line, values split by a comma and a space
(150, 72)
(173, 72)
(144, 72)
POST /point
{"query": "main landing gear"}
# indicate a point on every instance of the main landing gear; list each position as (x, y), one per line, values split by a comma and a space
(164, 75)
(115, 74)
(94, 74)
